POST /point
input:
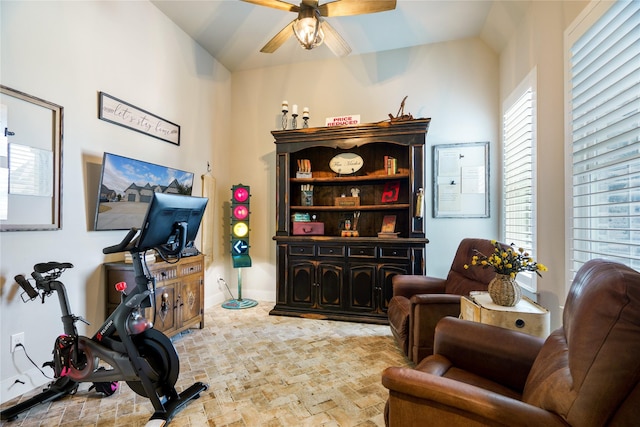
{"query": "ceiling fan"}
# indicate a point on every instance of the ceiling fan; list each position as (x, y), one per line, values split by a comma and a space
(311, 29)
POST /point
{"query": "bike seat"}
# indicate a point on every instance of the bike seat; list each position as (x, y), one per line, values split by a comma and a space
(45, 267)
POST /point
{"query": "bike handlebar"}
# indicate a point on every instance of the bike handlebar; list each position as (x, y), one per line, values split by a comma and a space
(123, 245)
(26, 286)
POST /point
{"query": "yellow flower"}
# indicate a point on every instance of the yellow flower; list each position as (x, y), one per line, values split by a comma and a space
(507, 260)
(466, 266)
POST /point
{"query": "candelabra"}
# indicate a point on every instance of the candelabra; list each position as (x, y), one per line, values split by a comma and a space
(305, 117)
(285, 110)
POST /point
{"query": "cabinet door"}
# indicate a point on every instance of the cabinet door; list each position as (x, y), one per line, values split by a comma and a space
(362, 285)
(330, 284)
(302, 275)
(387, 271)
(166, 308)
(189, 300)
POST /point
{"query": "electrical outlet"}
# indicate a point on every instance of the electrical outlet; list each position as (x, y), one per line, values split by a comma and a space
(17, 339)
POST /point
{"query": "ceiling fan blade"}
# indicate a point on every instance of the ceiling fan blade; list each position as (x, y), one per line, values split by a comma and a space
(279, 39)
(355, 7)
(276, 4)
(334, 41)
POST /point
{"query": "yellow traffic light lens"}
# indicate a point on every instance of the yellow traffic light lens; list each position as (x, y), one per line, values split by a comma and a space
(240, 229)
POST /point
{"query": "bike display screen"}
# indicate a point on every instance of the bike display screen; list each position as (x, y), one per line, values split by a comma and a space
(165, 213)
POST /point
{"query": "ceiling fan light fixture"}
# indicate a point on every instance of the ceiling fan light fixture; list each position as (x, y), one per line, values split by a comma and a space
(308, 29)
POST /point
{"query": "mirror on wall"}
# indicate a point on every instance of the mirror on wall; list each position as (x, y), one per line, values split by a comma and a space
(30, 162)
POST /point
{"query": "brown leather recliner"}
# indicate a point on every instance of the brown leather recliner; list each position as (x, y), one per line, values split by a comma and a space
(419, 302)
(586, 373)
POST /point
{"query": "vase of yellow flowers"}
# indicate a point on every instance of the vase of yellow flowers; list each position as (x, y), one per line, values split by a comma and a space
(507, 261)
(504, 290)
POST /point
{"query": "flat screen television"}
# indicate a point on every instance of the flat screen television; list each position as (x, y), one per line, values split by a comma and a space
(127, 186)
(171, 222)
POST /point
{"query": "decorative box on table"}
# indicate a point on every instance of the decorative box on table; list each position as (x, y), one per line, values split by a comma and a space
(526, 316)
(308, 228)
(346, 201)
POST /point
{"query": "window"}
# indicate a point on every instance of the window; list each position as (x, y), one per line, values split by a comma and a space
(604, 135)
(518, 135)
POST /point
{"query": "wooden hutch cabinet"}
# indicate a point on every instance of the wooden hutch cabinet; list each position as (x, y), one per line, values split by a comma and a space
(327, 274)
(179, 297)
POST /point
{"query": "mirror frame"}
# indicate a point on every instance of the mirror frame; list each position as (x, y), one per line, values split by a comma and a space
(57, 115)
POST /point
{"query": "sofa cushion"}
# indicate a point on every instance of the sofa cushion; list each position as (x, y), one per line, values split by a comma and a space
(442, 367)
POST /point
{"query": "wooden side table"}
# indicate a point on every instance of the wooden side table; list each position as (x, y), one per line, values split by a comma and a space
(526, 316)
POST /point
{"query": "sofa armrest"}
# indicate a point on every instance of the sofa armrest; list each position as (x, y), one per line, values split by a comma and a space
(425, 313)
(416, 396)
(407, 285)
(499, 354)
(436, 299)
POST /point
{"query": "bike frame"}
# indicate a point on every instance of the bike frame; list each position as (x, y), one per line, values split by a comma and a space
(121, 354)
(113, 344)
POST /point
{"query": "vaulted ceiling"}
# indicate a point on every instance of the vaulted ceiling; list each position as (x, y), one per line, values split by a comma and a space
(233, 31)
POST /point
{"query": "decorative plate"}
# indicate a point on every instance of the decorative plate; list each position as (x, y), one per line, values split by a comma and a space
(346, 163)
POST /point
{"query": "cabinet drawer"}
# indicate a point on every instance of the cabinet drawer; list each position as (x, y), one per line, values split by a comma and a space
(301, 250)
(190, 268)
(362, 251)
(162, 274)
(337, 250)
(398, 253)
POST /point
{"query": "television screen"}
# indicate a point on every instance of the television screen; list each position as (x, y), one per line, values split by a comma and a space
(127, 186)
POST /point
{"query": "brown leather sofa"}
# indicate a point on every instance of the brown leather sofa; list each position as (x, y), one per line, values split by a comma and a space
(419, 302)
(586, 373)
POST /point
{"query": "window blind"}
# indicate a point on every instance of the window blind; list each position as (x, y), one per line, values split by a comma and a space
(518, 161)
(30, 171)
(605, 138)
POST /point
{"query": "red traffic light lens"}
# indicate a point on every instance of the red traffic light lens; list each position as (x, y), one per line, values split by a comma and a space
(240, 194)
(240, 212)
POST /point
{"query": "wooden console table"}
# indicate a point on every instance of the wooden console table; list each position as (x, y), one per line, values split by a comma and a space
(179, 298)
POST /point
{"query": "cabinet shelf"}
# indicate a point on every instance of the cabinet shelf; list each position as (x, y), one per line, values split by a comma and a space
(348, 179)
(352, 208)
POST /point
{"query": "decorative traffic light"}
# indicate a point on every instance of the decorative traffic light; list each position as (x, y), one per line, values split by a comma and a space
(240, 196)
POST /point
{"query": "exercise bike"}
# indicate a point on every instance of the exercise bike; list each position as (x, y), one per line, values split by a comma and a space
(125, 347)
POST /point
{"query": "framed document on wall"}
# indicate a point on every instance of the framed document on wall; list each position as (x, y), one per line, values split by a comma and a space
(461, 180)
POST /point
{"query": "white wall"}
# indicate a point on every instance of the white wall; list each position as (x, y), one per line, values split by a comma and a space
(538, 42)
(66, 52)
(455, 84)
